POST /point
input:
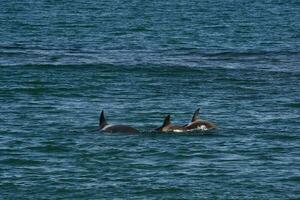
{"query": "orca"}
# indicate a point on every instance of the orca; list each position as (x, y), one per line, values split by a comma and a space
(198, 124)
(169, 127)
(110, 128)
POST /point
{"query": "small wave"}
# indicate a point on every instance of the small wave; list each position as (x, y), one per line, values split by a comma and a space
(292, 179)
(283, 137)
(140, 29)
(15, 161)
(50, 149)
(293, 105)
(30, 90)
(250, 53)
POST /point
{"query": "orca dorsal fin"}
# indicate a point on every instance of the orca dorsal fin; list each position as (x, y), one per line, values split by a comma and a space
(167, 121)
(102, 120)
(196, 115)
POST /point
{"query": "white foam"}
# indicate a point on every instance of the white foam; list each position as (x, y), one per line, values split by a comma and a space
(202, 128)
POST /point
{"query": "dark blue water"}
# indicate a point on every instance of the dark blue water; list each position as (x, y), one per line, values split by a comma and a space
(61, 63)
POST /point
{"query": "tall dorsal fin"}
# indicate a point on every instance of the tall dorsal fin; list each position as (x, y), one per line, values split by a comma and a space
(102, 120)
(167, 121)
(196, 115)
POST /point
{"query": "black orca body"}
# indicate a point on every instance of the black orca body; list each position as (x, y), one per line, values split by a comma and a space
(198, 124)
(110, 128)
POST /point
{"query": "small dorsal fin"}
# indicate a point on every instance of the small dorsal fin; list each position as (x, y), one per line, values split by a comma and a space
(102, 121)
(167, 121)
(196, 115)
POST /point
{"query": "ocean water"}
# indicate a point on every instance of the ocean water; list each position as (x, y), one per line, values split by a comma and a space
(62, 62)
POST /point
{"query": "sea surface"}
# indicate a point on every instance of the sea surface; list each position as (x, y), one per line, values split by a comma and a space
(62, 62)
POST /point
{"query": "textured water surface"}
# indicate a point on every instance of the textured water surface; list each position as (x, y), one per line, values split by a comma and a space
(61, 63)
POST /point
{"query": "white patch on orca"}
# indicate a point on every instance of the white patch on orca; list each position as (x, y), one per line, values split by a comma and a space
(177, 131)
(106, 127)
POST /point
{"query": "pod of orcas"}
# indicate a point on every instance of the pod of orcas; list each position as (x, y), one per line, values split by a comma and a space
(167, 127)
